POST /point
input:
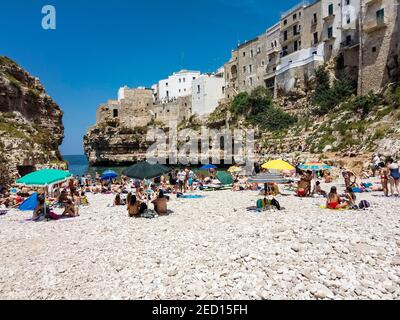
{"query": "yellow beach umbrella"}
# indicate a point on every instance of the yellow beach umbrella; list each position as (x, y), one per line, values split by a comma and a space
(278, 165)
(234, 169)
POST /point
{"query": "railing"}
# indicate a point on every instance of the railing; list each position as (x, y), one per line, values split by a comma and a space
(349, 44)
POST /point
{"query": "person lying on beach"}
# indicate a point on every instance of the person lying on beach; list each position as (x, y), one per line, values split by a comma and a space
(318, 190)
(334, 201)
(118, 201)
(160, 204)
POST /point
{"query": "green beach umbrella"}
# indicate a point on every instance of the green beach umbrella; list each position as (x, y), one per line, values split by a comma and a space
(145, 170)
(43, 178)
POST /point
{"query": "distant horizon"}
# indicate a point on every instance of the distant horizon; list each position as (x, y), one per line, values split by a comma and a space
(90, 55)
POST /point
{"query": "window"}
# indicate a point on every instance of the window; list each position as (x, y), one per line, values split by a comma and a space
(167, 93)
(251, 53)
(315, 19)
(299, 14)
(115, 113)
(198, 88)
(250, 68)
(380, 16)
(244, 54)
(166, 84)
(330, 9)
(262, 63)
(295, 32)
(194, 78)
(251, 81)
(284, 35)
(315, 37)
(295, 16)
(285, 22)
(348, 19)
(296, 47)
(180, 80)
(373, 49)
(348, 2)
(244, 69)
(258, 50)
(184, 79)
(330, 32)
(348, 40)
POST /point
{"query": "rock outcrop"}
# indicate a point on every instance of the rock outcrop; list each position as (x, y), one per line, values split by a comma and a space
(31, 128)
(111, 144)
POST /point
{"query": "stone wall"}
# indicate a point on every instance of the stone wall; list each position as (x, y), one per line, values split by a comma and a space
(175, 111)
(380, 43)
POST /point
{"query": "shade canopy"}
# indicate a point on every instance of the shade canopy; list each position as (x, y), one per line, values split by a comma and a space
(45, 177)
(278, 165)
(208, 167)
(145, 170)
(108, 175)
(314, 166)
(268, 178)
(235, 169)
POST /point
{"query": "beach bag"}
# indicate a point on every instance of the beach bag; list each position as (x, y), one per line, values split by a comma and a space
(276, 204)
(364, 204)
(260, 204)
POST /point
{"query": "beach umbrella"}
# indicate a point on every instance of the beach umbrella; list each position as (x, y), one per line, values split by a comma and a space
(234, 169)
(314, 166)
(44, 178)
(109, 175)
(208, 167)
(268, 178)
(278, 165)
(145, 170)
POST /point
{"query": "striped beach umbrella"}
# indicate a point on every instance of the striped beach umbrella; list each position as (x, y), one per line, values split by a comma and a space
(314, 166)
(268, 178)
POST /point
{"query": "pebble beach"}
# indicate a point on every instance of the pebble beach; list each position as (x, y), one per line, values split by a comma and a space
(209, 248)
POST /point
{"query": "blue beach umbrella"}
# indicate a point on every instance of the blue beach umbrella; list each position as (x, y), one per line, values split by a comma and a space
(109, 175)
(208, 167)
(314, 166)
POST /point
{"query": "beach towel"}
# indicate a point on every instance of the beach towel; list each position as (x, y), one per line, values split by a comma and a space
(254, 210)
(190, 197)
(43, 219)
(29, 204)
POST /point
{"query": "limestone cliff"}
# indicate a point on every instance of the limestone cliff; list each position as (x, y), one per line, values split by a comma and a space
(31, 128)
(109, 143)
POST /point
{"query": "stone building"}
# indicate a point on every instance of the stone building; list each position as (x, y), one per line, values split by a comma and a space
(177, 110)
(380, 42)
(132, 108)
(207, 91)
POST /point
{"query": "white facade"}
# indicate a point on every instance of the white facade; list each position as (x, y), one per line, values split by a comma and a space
(177, 85)
(207, 91)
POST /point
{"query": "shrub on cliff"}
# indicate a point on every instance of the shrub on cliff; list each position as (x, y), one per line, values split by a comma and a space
(327, 96)
(259, 110)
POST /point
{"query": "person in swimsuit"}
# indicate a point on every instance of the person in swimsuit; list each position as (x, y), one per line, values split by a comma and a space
(334, 201)
(394, 176)
(134, 207)
(384, 172)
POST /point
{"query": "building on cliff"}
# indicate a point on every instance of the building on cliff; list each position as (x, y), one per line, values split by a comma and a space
(380, 44)
(362, 37)
(207, 91)
(177, 85)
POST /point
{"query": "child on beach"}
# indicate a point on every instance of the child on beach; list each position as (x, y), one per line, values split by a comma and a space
(318, 190)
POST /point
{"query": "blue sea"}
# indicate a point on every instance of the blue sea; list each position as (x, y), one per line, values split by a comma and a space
(79, 165)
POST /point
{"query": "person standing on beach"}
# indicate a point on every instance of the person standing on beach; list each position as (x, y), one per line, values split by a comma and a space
(181, 180)
(394, 178)
(384, 172)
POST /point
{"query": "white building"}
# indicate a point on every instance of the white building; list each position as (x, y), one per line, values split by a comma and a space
(177, 85)
(207, 91)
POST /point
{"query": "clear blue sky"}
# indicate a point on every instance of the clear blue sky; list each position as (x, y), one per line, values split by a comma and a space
(101, 45)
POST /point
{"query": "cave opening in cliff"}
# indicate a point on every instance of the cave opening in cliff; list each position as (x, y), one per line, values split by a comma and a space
(24, 170)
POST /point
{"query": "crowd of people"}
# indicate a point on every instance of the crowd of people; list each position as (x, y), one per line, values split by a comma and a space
(140, 196)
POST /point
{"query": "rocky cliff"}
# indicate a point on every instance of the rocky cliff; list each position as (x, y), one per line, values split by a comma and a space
(31, 128)
(111, 144)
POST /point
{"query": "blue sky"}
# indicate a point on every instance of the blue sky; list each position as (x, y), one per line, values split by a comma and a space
(101, 45)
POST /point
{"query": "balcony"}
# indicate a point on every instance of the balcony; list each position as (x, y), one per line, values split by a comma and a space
(374, 25)
(370, 2)
(329, 16)
(290, 38)
(314, 23)
(347, 45)
(329, 38)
